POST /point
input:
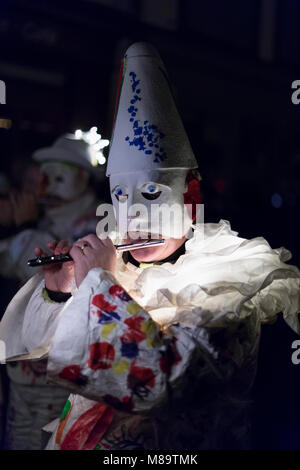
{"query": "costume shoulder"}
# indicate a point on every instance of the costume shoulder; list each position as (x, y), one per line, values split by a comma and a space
(223, 278)
(12, 321)
(29, 322)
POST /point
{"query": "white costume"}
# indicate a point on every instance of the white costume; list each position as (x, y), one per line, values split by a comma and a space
(33, 402)
(160, 356)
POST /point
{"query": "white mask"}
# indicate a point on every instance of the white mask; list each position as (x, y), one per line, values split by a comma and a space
(63, 180)
(143, 195)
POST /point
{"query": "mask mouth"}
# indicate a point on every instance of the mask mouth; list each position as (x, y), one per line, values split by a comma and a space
(134, 237)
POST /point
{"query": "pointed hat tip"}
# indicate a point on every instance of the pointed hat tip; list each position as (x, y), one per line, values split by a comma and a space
(139, 49)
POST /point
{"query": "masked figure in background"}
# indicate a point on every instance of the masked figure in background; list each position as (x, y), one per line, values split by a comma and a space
(69, 212)
(158, 348)
(69, 204)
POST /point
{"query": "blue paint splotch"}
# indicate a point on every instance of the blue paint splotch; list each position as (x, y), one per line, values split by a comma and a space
(108, 317)
(129, 350)
(146, 136)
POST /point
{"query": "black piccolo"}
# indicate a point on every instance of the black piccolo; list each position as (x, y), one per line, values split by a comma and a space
(42, 260)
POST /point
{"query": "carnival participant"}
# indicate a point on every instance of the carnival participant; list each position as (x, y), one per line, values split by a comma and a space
(158, 347)
(69, 204)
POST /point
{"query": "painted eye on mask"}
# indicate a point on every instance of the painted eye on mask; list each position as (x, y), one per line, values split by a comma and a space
(120, 193)
(150, 191)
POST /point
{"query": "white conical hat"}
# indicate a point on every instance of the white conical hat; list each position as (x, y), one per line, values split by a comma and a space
(148, 132)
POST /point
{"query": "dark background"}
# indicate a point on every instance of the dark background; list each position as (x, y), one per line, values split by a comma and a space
(232, 63)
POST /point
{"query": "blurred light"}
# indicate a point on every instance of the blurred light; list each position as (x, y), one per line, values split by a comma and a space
(5, 123)
(78, 134)
(101, 160)
(276, 200)
(96, 144)
(101, 144)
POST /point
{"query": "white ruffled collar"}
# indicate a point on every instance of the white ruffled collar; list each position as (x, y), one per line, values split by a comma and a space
(220, 278)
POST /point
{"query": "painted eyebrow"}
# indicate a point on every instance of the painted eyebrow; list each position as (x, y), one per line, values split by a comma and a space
(118, 186)
(160, 186)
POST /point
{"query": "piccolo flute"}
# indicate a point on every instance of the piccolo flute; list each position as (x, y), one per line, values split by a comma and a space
(42, 260)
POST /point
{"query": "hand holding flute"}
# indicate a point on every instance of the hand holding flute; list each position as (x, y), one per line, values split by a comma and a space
(87, 253)
(59, 277)
(67, 262)
(90, 252)
(63, 258)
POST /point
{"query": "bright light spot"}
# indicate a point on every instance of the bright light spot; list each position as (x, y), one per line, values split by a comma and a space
(101, 144)
(78, 134)
(96, 144)
(101, 160)
(276, 200)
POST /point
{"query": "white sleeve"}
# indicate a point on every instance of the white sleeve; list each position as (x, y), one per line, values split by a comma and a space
(40, 319)
(29, 322)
